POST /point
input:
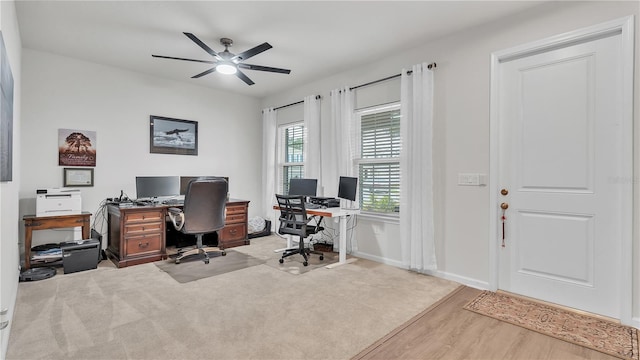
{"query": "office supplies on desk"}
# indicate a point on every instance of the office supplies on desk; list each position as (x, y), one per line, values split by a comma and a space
(58, 201)
(310, 205)
(174, 202)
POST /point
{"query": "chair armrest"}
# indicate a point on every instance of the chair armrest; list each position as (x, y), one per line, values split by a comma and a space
(177, 217)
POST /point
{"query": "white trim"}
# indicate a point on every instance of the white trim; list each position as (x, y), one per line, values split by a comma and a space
(625, 28)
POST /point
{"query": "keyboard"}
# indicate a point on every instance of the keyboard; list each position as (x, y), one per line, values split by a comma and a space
(173, 202)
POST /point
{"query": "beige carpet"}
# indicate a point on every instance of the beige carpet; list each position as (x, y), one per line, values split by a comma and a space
(258, 312)
(578, 328)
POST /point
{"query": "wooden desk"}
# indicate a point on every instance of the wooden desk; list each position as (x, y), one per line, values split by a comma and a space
(137, 234)
(32, 222)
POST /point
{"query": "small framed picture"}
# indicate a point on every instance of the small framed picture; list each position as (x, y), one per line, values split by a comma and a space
(77, 177)
(173, 136)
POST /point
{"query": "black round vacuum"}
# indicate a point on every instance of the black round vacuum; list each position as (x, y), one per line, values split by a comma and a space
(39, 273)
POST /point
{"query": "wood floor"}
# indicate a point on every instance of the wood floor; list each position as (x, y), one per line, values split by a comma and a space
(447, 331)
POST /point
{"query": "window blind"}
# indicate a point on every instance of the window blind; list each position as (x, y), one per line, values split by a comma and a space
(379, 164)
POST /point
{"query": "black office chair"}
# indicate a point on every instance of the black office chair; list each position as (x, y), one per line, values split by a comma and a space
(294, 221)
(203, 212)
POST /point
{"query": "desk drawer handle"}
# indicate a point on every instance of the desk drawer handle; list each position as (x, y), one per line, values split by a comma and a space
(141, 245)
(4, 324)
(233, 231)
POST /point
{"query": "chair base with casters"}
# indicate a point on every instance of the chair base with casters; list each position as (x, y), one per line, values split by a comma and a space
(304, 251)
(200, 249)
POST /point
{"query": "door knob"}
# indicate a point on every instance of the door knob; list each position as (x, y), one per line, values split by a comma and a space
(504, 192)
(504, 206)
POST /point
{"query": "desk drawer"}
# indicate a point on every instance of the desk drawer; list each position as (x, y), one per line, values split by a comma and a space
(143, 244)
(144, 228)
(235, 218)
(143, 216)
(233, 232)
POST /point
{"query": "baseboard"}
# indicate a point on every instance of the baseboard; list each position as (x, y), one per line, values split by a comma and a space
(635, 322)
(474, 283)
(379, 259)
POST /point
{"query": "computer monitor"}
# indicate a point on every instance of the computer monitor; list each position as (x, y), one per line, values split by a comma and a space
(157, 186)
(347, 188)
(306, 187)
(184, 182)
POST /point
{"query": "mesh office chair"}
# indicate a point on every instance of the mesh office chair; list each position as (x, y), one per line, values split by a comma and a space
(294, 221)
(203, 213)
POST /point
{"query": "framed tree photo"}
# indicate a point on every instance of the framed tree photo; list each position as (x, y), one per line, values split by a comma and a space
(173, 136)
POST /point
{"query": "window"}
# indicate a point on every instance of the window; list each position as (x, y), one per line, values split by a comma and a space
(290, 154)
(379, 160)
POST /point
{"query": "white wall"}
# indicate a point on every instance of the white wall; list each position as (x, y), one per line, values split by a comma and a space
(461, 129)
(9, 221)
(61, 92)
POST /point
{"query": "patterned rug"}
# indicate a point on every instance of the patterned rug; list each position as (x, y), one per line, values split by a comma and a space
(598, 334)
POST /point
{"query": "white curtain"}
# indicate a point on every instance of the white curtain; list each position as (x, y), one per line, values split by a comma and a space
(416, 166)
(311, 151)
(344, 131)
(269, 117)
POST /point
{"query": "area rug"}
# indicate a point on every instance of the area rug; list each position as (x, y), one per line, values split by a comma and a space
(195, 269)
(592, 332)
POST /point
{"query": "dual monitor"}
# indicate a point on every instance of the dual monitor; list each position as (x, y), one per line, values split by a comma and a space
(308, 187)
(163, 186)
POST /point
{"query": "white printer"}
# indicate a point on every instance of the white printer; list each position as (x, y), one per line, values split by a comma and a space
(58, 201)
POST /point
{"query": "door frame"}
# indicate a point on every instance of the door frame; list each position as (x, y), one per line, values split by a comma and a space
(623, 27)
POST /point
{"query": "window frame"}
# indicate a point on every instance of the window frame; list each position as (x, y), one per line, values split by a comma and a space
(282, 154)
(358, 160)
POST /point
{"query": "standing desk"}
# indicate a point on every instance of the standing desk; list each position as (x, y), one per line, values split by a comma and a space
(342, 214)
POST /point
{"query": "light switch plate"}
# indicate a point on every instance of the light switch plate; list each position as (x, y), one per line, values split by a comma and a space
(472, 179)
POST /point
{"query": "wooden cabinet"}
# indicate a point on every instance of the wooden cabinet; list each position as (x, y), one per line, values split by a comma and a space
(235, 231)
(136, 235)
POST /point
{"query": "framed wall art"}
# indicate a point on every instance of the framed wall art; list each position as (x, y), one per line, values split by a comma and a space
(77, 177)
(173, 136)
(76, 147)
(6, 115)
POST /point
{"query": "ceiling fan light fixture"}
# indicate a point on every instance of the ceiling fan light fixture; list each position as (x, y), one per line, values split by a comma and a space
(226, 68)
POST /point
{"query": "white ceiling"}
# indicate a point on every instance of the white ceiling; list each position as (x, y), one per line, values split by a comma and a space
(312, 38)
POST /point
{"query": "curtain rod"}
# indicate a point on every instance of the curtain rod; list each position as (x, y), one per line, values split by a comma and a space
(430, 66)
(295, 103)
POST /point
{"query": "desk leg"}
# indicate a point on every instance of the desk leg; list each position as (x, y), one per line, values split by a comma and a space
(289, 244)
(28, 233)
(342, 256)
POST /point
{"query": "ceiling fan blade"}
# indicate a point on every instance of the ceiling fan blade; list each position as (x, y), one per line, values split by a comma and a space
(263, 68)
(204, 73)
(252, 52)
(244, 77)
(202, 45)
(177, 58)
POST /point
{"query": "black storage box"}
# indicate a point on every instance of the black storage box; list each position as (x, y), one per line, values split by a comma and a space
(80, 255)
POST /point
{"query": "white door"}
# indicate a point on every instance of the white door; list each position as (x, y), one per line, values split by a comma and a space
(562, 161)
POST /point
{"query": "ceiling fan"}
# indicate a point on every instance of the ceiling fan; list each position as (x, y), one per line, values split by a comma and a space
(227, 62)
